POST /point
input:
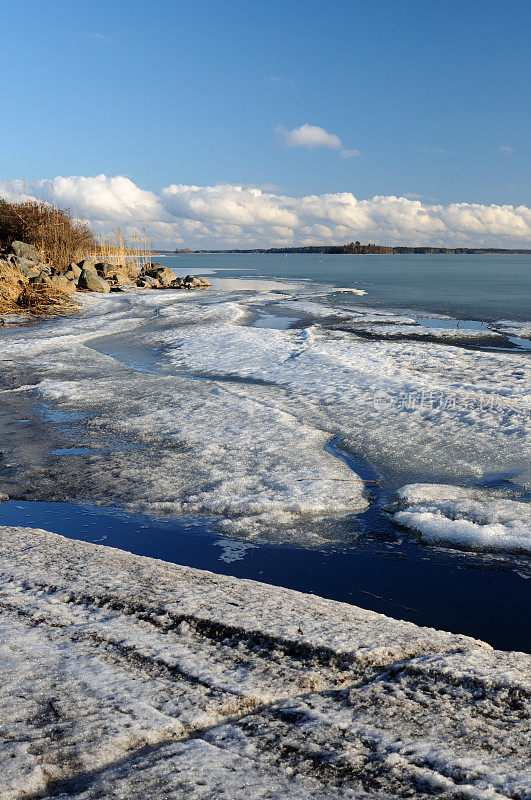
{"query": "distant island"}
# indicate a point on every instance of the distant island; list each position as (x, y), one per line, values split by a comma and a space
(356, 248)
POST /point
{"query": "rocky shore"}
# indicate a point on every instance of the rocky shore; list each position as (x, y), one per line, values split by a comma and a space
(23, 269)
(124, 676)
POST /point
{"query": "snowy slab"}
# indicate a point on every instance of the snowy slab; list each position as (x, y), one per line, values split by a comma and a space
(124, 676)
(464, 517)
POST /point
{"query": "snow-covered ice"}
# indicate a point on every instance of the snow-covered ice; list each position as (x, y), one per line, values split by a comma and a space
(186, 408)
(127, 677)
(513, 328)
(464, 517)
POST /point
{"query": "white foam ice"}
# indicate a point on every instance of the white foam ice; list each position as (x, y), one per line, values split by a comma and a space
(464, 517)
(321, 307)
(444, 412)
(424, 331)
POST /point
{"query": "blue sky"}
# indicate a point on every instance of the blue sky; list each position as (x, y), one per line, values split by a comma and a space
(433, 95)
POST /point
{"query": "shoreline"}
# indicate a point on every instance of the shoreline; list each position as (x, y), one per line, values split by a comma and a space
(145, 669)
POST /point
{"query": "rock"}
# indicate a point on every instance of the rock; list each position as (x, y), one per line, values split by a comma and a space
(191, 282)
(72, 275)
(71, 271)
(147, 282)
(75, 269)
(92, 282)
(116, 289)
(24, 250)
(122, 280)
(164, 275)
(42, 279)
(28, 272)
(63, 284)
(87, 264)
(105, 269)
(4, 497)
(11, 258)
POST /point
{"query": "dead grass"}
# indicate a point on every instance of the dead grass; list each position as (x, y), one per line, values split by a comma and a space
(39, 301)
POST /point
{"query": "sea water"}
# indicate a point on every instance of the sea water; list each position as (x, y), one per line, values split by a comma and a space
(479, 287)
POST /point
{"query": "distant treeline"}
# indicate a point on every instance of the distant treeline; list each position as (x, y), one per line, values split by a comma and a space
(356, 248)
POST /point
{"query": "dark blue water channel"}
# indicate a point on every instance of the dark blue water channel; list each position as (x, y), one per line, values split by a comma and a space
(389, 572)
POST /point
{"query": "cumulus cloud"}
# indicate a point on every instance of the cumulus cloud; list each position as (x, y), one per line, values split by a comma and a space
(309, 136)
(228, 215)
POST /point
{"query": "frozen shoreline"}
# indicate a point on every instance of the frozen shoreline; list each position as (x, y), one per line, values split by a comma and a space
(133, 676)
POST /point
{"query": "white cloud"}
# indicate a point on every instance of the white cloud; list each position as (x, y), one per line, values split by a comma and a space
(229, 215)
(346, 154)
(277, 80)
(309, 136)
(506, 150)
(101, 37)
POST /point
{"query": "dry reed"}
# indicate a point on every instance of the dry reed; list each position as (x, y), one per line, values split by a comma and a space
(113, 249)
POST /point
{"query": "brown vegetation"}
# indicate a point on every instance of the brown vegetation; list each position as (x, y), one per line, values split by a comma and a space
(53, 231)
(39, 301)
(134, 255)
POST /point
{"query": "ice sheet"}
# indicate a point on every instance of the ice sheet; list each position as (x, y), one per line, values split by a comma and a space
(129, 677)
(232, 420)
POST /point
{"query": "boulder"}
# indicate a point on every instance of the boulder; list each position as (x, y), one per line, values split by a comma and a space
(17, 261)
(87, 264)
(105, 269)
(147, 282)
(24, 250)
(92, 282)
(62, 283)
(72, 273)
(42, 279)
(191, 282)
(122, 280)
(28, 272)
(164, 275)
(75, 269)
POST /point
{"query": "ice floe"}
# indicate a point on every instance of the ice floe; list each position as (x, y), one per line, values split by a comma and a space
(129, 677)
(465, 517)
